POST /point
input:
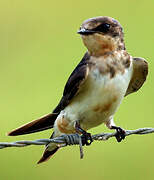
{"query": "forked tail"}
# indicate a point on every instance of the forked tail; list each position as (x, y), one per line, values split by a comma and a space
(43, 123)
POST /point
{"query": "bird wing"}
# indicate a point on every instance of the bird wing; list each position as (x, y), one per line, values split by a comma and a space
(74, 83)
(41, 124)
(71, 89)
(140, 72)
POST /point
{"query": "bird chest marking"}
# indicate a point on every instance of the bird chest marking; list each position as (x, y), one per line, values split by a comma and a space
(63, 125)
(105, 107)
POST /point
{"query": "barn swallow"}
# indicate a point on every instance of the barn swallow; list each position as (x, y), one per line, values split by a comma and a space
(95, 89)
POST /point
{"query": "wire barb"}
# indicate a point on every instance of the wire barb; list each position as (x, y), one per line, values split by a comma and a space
(73, 139)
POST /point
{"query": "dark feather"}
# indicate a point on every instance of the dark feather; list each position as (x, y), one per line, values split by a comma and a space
(140, 72)
(43, 123)
(47, 155)
(74, 83)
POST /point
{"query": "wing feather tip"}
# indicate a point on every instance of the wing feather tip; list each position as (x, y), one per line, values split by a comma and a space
(43, 123)
(14, 133)
(9, 134)
(47, 155)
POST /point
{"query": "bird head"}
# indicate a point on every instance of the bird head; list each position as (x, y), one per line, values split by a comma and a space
(102, 35)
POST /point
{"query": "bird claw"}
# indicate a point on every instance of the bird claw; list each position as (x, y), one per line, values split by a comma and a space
(120, 134)
(86, 139)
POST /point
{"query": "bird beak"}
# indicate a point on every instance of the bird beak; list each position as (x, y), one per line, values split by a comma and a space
(84, 31)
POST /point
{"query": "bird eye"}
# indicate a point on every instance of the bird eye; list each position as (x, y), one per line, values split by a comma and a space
(103, 28)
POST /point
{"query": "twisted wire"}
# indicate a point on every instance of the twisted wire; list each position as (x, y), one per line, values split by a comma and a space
(73, 139)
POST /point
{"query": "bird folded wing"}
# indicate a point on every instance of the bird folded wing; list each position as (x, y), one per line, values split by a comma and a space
(140, 72)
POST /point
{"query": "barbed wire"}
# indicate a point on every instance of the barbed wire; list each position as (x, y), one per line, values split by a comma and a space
(73, 139)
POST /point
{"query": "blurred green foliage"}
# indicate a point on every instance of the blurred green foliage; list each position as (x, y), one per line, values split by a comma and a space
(39, 47)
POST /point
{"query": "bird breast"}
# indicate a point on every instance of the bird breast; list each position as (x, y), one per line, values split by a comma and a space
(98, 99)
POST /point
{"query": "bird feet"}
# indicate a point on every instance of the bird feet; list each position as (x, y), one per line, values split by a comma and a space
(120, 134)
(86, 137)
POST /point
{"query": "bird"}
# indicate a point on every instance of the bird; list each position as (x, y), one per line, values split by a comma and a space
(95, 89)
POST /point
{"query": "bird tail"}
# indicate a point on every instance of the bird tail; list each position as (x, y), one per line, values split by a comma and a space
(47, 154)
(51, 149)
(43, 123)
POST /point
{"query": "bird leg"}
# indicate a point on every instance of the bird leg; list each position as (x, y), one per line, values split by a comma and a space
(120, 134)
(86, 137)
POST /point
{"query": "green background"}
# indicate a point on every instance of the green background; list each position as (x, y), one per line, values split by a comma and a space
(39, 47)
